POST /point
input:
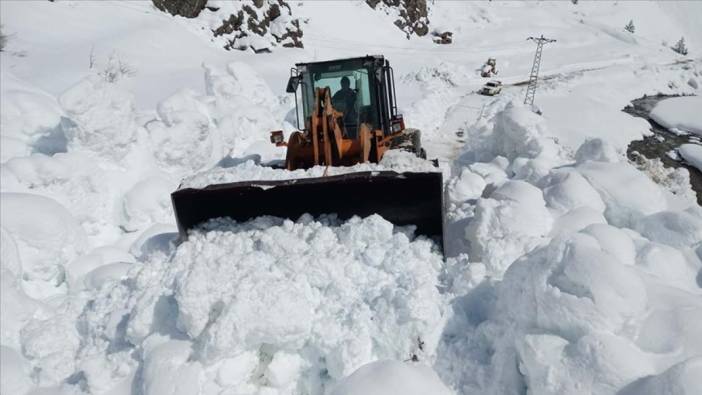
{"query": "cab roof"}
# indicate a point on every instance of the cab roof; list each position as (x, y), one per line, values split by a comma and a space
(344, 60)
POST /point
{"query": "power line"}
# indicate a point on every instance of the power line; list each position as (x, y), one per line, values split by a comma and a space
(534, 75)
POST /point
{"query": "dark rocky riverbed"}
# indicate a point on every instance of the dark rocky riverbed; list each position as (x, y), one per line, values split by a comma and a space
(661, 142)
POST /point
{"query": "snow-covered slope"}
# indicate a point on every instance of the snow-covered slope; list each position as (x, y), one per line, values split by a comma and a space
(566, 269)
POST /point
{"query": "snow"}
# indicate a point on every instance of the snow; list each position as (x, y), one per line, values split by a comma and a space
(15, 377)
(680, 379)
(566, 269)
(391, 377)
(680, 114)
(46, 235)
(282, 293)
(692, 153)
(27, 115)
(103, 115)
(252, 169)
(513, 220)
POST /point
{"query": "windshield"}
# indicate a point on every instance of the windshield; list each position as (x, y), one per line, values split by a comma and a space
(351, 93)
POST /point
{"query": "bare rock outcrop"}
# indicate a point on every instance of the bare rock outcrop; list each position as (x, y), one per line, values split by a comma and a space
(259, 25)
(412, 15)
(186, 8)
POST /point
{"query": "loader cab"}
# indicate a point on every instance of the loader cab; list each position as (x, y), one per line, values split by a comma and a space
(369, 97)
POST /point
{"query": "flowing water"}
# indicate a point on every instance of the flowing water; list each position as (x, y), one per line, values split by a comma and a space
(661, 142)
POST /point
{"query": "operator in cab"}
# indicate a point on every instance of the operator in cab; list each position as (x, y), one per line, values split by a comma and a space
(344, 100)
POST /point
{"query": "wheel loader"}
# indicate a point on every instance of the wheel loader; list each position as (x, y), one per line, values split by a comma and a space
(349, 116)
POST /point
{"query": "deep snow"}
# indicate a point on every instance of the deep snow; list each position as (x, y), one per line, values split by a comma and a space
(567, 270)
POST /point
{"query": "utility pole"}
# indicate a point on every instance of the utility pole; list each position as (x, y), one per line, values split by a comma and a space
(533, 77)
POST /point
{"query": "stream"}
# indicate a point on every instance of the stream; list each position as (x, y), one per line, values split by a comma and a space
(661, 142)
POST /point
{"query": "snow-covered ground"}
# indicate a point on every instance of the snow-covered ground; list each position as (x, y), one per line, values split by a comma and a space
(566, 269)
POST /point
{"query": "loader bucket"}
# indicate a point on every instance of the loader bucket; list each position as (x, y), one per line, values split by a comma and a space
(401, 198)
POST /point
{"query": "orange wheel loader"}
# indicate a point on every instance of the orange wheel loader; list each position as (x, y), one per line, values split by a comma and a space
(349, 116)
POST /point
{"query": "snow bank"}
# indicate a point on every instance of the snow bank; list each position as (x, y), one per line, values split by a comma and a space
(104, 116)
(273, 304)
(517, 134)
(679, 113)
(148, 202)
(512, 221)
(89, 188)
(185, 137)
(581, 276)
(97, 266)
(627, 193)
(565, 319)
(692, 153)
(234, 118)
(391, 377)
(46, 234)
(684, 378)
(15, 372)
(17, 308)
(245, 110)
(27, 115)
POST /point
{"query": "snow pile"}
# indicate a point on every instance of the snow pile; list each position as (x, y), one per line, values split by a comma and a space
(28, 116)
(391, 377)
(512, 217)
(577, 317)
(581, 276)
(245, 110)
(250, 169)
(679, 114)
(184, 137)
(103, 113)
(15, 377)
(147, 202)
(234, 117)
(45, 234)
(18, 308)
(517, 134)
(271, 304)
(498, 239)
(88, 188)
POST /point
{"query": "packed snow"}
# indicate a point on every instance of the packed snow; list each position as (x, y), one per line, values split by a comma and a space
(565, 269)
